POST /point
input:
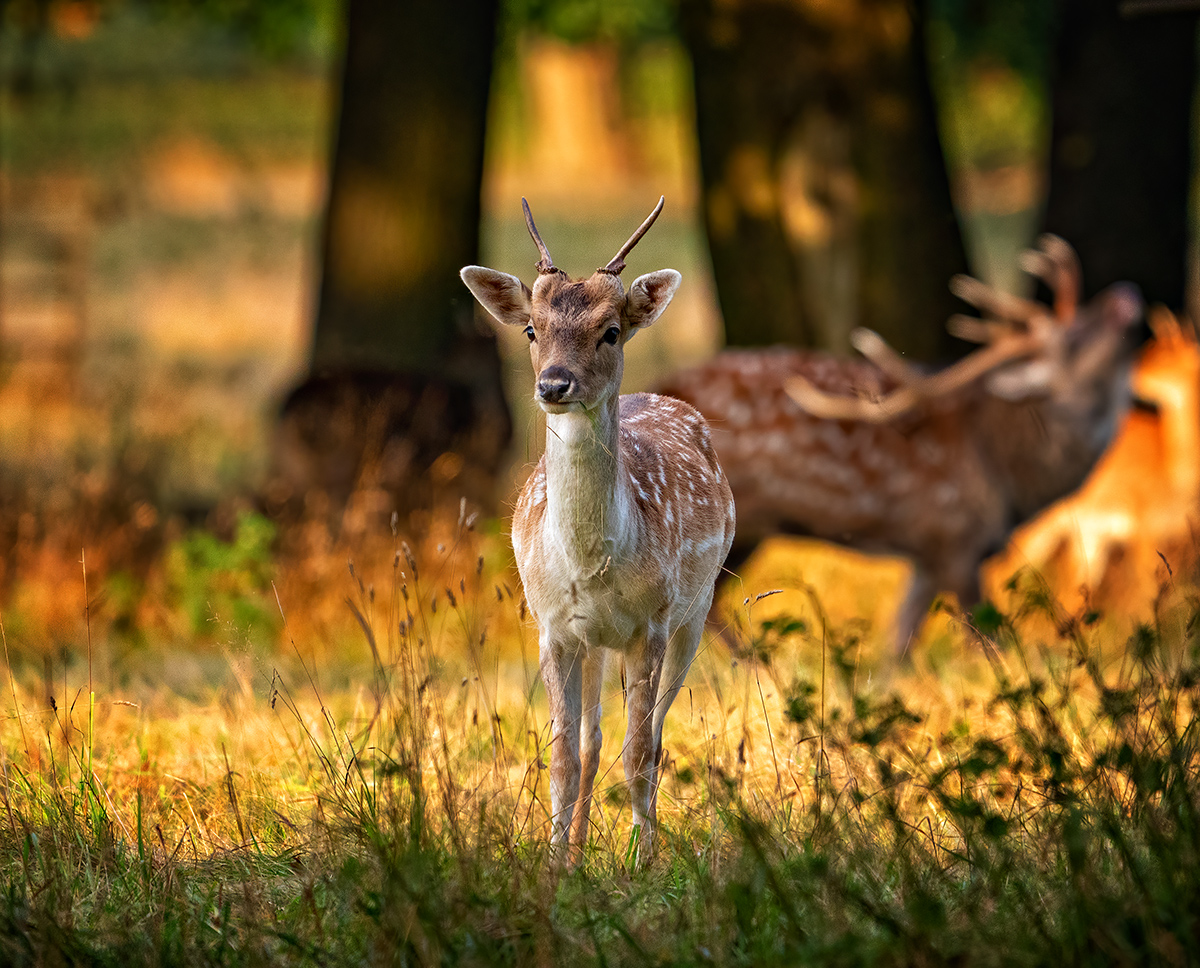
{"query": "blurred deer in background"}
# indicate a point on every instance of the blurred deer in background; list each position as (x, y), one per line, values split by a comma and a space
(1142, 500)
(620, 531)
(939, 469)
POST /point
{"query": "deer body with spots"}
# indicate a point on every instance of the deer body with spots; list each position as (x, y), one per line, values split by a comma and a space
(936, 468)
(621, 530)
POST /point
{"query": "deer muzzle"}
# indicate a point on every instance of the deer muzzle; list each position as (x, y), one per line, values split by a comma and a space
(554, 385)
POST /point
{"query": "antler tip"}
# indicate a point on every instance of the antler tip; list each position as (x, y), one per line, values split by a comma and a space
(616, 265)
(861, 337)
(545, 265)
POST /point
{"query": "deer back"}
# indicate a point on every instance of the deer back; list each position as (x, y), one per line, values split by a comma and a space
(912, 486)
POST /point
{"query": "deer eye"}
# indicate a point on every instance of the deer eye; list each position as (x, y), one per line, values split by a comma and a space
(611, 335)
(529, 332)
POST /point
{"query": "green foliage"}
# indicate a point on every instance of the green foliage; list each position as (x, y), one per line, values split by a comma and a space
(274, 27)
(989, 62)
(801, 705)
(577, 21)
(225, 586)
(1015, 32)
(988, 619)
(773, 634)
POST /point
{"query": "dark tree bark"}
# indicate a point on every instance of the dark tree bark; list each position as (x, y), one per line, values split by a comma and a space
(826, 199)
(402, 379)
(1120, 157)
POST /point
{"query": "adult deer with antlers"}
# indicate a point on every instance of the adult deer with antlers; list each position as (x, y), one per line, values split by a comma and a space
(620, 531)
(937, 468)
(1138, 512)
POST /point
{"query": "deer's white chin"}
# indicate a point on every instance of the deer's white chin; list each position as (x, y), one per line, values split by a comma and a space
(571, 406)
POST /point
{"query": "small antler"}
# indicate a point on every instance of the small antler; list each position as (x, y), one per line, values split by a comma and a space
(545, 265)
(617, 264)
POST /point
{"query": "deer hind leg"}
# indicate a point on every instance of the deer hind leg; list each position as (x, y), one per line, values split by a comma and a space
(922, 590)
(964, 582)
(681, 650)
(643, 669)
(562, 673)
(590, 740)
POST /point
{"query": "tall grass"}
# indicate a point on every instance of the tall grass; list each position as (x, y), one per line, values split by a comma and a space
(1037, 806)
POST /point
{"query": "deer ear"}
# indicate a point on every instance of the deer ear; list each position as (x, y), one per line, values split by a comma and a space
(505, 297)
(649, 296)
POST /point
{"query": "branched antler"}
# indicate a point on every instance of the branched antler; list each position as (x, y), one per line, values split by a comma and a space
(1018, 328)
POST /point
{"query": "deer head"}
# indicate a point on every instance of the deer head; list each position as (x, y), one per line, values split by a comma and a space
(577, 329)
(1064, 355)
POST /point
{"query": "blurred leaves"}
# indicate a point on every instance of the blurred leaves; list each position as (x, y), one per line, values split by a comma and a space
(577, 21)
(275, 27)
(219, 583)
(1014, 32)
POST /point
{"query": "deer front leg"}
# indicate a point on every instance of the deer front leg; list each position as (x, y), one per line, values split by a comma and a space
(562, 673)
(643, 669)
(590, 740)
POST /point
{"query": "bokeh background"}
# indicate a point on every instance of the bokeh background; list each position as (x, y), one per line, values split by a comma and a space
(229, 230)
(270, 691)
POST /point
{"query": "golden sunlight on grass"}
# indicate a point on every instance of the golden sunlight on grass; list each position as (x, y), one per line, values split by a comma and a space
(242, 744)
(370, 773)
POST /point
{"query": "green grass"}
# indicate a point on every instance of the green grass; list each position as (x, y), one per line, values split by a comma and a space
(384, 802)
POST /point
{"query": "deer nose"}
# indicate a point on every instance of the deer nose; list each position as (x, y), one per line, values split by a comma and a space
(553, 383)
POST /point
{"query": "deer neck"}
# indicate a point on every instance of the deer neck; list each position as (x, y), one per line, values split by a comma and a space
(584, 499)
(1043, 450)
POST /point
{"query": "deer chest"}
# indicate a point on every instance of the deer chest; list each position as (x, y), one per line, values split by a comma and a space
(605, 607)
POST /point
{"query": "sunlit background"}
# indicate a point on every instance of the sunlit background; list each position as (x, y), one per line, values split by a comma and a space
(165, 167)
(166, 171)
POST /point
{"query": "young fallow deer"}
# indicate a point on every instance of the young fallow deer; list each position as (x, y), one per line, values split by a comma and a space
(622, 528)
(938, 468)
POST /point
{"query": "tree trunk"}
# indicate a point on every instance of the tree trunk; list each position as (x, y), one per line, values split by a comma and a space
(826, 199)
(1120, 155)
(402, 379)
